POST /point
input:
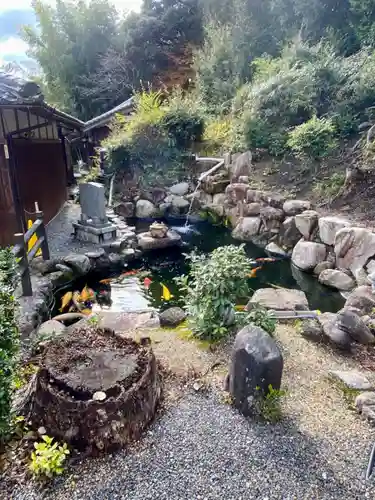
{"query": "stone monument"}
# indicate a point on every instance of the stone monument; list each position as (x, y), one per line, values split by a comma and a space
(94, 226)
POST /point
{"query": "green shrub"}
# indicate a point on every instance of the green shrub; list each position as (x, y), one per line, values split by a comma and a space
(214, 284)
(259, 317)
(217, 136)
(269, 405)
(48, 458)
(314, 139)
(330, 187)
(156, 140)
(9, 340)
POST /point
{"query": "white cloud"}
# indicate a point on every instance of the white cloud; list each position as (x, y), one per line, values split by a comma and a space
(12, 46)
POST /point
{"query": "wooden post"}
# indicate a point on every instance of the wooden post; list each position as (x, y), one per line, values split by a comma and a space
(41, 233)
(27, 289)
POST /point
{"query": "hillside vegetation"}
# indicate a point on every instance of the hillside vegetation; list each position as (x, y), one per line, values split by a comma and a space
(291, 80)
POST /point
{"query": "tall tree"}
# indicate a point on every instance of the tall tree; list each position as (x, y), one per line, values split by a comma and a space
(68, 43)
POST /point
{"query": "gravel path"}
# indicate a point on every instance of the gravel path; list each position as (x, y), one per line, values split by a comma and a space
(201, 448)
(60, 229)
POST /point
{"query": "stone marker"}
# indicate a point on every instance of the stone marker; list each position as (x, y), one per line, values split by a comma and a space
(92, 201)
(93, 226)
(256, 364)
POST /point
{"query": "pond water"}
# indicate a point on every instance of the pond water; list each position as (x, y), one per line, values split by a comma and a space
(161, 267)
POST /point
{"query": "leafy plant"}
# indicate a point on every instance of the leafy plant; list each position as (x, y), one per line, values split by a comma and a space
(9, 340)
(269, 405)
(259, 317)
(212, 288)
(314, 139)
(331, 187)
(48, 458)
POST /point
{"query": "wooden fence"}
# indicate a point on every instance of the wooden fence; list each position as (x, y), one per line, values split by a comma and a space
(24, 255)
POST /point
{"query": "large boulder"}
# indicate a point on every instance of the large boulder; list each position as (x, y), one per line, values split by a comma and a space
(354, 246)
(125, 209)
(178, 204)
(289, 235)
(218, 199)
(172, 317)
(200, 199)
(145, 209)
(146, 242)
(336, 279)
(365, 404)
(333, 333)
(274, 200)
(279, 299)
(362, 299)
(242, 166)
(271, 217)
(246, 228)
(256, 364)
(329, 226)
(274, 249)
(355, 327)
(180, 189)
(237, 192)
(307, 255)
(351, 379)
(322, 266)
(79, 263)
(294, 207)
(306, 223)
(251, 209)
(311, 329)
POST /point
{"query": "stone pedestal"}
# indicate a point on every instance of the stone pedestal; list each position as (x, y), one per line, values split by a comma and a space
(94, 226)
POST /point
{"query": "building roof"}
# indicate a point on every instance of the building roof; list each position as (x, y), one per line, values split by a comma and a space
(16, 91)
(105, 118)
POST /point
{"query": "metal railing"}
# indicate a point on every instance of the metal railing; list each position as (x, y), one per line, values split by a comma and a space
(25, 256)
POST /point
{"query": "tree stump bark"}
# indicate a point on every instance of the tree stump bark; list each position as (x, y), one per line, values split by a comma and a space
(95, 389)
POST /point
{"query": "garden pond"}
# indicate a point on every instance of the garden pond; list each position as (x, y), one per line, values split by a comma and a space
(156, 272)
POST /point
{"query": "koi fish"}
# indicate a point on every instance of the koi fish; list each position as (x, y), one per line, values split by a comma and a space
(129, 273)
(266, 259)
(65, 301)
(147, 282)
(86, 311)
(87, 294)
(166, 294)
(106, 281)
(253, 272)
(239, 308)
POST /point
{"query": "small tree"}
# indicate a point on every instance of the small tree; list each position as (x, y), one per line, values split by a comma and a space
(214, 284)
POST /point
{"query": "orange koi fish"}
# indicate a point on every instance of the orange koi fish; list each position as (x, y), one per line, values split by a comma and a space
(253, 272)
(147, 282)
(106, 281)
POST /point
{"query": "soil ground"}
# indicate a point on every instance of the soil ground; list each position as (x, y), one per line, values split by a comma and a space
(200, 447)
(322, 183)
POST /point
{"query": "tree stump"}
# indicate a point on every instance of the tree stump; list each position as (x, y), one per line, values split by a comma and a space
(95, 389)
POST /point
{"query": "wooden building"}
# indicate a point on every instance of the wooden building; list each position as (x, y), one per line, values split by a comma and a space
(34, 155)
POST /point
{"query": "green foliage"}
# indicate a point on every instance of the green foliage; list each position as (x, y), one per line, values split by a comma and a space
(157, 139)
(48, 458)
(330, 187)
(313, 139)
(9, 340)
(259, 317)
(269, 405)
(217, 137)
(214, 284)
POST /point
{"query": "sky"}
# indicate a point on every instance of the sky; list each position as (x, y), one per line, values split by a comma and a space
(15, 13)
